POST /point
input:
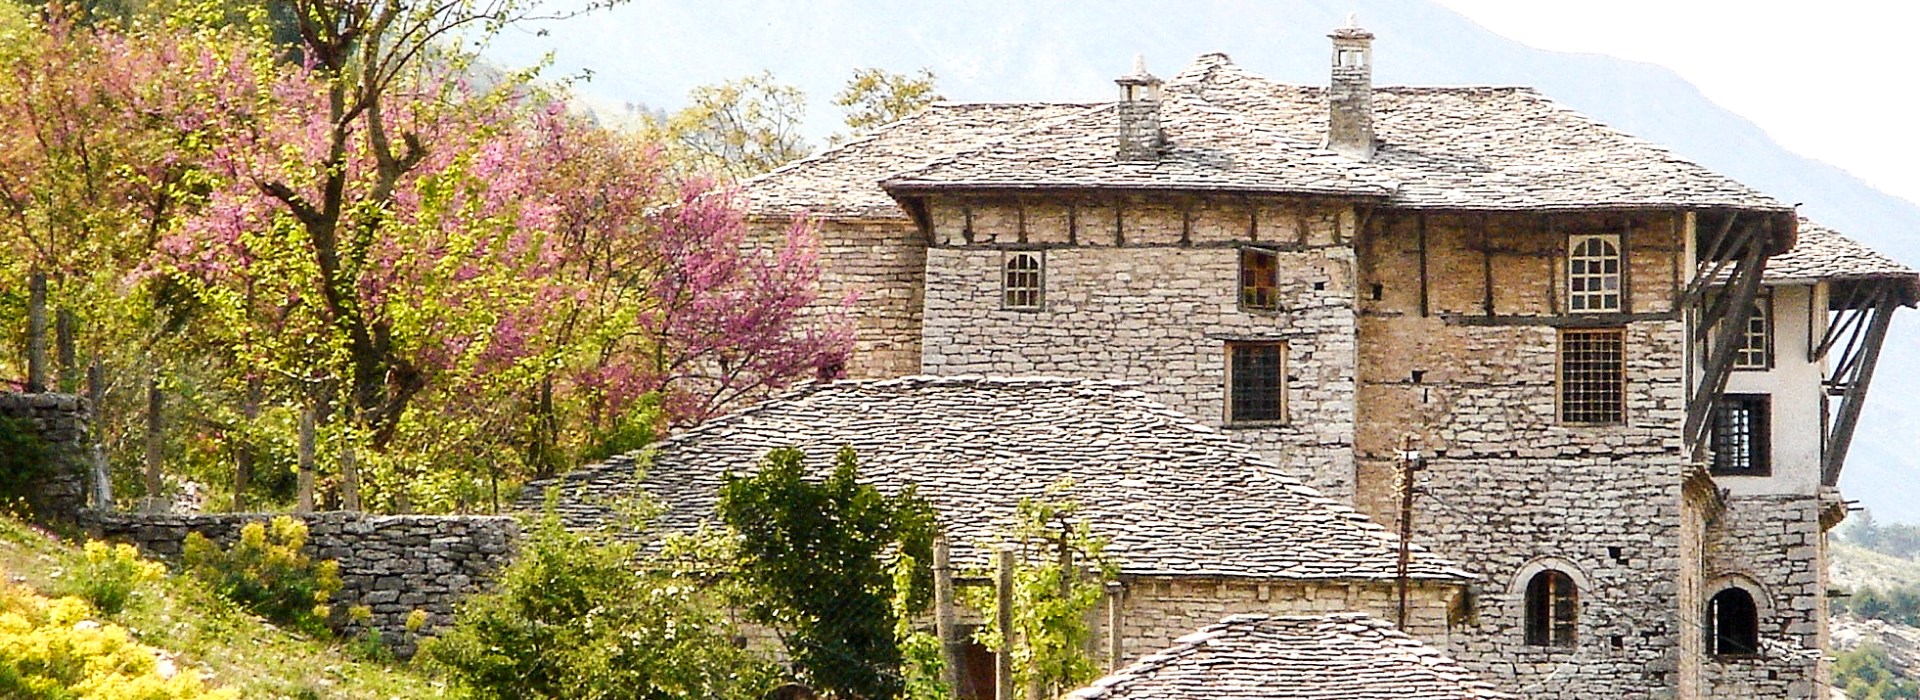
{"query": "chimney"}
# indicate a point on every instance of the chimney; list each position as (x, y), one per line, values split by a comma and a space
(1139, 111)
(1350, 95)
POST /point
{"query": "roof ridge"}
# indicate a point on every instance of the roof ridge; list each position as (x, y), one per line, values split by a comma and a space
(1003, 138)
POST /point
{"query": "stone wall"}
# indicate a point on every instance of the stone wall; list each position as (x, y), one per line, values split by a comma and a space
(62, 421)
(1146, 291)
(880, 266)
(1157, 611)
(1459, 352)
(1771, 546)
(391, 564)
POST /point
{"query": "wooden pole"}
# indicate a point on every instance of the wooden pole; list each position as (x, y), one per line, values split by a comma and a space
(155, 444)
(243, 457)
(1003, 621)
(944, 622)
(304, 502)
(63, 342)
(1116, 596)
(349, 478)
(1410, 462)
(36, 332)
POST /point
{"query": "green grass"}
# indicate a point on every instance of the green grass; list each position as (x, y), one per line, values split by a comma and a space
(211, 635)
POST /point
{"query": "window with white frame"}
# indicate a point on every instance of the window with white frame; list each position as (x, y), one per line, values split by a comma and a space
(1023, 280)
(1755, 349)
(1593, 273)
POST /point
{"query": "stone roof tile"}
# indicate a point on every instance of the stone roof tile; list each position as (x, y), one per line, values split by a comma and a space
(1178, 498)
(1256, 657)
(1823, 253)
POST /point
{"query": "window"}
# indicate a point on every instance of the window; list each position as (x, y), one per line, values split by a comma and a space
(1259, 279)
(1593, 274)
(1553, 607)
(1023, 281)
(1755, 350)
(1256, 382)
(1733, 624)
(1740, 435)
(1593, 382)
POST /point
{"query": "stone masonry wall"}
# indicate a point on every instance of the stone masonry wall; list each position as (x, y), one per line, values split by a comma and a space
(1458, 337)
(1158, 611)
(1140, 290)
(391, 564)
(880, 265)
(1771, 546)
(62, 421)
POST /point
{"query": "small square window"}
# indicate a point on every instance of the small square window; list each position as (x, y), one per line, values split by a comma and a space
(1256, 382)
(1740, 435)
(1593, 381)
(1755, 350)
(1023, 280)
(1259, 279)
(1593, 273)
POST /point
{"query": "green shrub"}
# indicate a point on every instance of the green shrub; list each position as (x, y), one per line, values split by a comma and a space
(265, 572)
(109, 575)
(571, 618)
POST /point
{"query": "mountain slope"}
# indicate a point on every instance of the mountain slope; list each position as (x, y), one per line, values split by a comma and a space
(1004, 50)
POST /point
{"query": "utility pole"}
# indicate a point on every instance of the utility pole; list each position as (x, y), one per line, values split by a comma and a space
(1410, 463)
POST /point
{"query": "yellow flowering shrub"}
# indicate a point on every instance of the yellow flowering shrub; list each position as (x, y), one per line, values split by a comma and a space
(52, 649)
(108, 575)
(266, 572)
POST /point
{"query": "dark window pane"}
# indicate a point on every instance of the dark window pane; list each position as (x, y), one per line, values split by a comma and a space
(1257, 384)
(1592, 375)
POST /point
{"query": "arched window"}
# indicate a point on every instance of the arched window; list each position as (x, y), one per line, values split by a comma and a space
(1733, 624)
(1553, 608)
(1022, 284)
(1593, 274)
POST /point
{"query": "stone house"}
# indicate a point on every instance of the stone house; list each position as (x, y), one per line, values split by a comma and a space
(1623, 385)
(1202, 526)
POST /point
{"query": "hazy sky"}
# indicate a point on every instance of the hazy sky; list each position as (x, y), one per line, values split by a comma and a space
(1834, 80)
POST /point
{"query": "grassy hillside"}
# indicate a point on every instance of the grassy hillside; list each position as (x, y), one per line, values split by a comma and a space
(209, 635)
(1852, 567)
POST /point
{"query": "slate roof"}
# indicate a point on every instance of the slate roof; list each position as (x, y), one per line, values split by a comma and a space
(1483, 148)
(844, 182)
(1822, 253)
(1257, 657)
(1177, 497)
(1209, 149)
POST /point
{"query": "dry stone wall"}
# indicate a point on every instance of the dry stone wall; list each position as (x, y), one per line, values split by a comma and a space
(392, 564)
(62, 421)
(1157, 611)
(1150, 293)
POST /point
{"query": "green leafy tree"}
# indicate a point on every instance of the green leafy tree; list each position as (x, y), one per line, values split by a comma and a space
(816, 560)
(739, 128)
(573, 618)
(874, 97)
(1060, 574)
(1867, 672)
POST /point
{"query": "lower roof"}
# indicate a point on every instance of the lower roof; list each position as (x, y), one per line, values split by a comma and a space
(1176, 497)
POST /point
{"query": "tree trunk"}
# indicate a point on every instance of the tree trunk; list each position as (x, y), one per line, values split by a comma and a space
(349, 477)
(63, 332)
(156, 444)
(36, 332)
(304, 499)
(243, 456)
(102, 478)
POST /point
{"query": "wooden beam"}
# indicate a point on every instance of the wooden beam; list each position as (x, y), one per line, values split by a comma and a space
(1713, 380)
(1856, 396)
(1425, 308)
(1486, 266)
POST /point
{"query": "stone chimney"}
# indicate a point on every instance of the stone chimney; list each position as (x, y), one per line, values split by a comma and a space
(1350, 95)
(1139, 112)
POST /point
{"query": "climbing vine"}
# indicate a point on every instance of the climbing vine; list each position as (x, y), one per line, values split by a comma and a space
(1059, 576)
